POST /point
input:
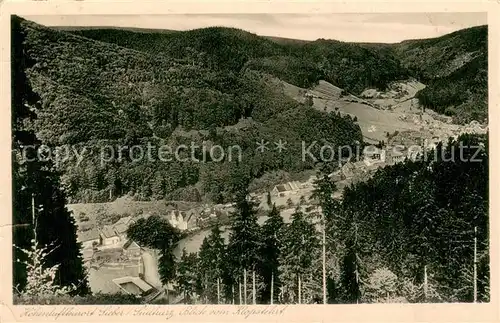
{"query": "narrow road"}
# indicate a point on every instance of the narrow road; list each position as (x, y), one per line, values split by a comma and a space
(151, 274)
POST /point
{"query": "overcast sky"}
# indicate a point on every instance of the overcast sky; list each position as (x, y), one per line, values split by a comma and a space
(390, 27)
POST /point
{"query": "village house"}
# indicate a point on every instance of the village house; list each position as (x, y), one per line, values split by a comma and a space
(108, 236)
(396, 155)
(88, 238)
(131, 249)
(282, 190)
(373, 154)
(178, 219)
(133, 285)
(122, 225)
(347, 170)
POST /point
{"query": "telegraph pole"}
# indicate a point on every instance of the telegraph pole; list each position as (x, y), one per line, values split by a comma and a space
(425, 283)
(33, 216)
(324, 258)
(475, 265)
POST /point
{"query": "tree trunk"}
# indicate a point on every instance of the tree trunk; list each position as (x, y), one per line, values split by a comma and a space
(232, 294)
(245, 286)
(300, 291)
(239, 287)
(272, 288)
(218, 291)
(324, 261)
(425, 283)
(253, 288)
(475, 266)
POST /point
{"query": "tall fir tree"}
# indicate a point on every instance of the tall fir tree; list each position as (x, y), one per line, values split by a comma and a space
(330, 217)
(245, 238)
(35, 179)
(299, 251)
(272, 235)
(186, 276)
(212, 265)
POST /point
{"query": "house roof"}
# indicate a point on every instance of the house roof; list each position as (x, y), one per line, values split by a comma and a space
(121, 228)
(108, 231)
(125, 220)
(92, 234)
(281, 188)
(122, 224)
(294, 185)
(141, 284)
(131, 245)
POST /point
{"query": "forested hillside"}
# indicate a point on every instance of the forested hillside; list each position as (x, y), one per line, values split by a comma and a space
(95, 94)
(444, 63)
(455, 69)
(301, 63)
(420, 217)
(119, 87)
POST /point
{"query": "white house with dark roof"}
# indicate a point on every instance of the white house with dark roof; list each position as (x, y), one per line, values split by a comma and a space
(178, 219)
(109, 236)
(280, 190)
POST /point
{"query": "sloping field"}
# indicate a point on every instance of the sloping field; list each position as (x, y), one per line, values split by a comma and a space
(404, 115)
(123, 207)
(374, 123)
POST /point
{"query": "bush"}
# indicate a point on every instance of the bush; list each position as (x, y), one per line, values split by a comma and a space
(382, 286)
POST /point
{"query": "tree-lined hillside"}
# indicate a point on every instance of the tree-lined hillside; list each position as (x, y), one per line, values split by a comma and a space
(96, 94)
(351, 66)
(121, 88)
(455, 69)
(300, 63)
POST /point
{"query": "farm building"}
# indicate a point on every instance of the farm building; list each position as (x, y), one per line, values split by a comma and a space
(108, 236)
(374, 154)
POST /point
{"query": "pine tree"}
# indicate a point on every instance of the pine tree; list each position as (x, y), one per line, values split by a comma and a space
(37, 179)
(158, 186)
(272, 234)
(212, 262)
(299, 250)
(352, 266)
(186, 276)
(167, 268)
(330, 220)
(245, 239)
